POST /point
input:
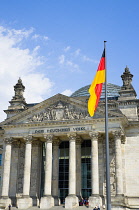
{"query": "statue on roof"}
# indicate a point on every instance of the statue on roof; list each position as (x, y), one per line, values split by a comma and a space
(19, 89)
(127, 79)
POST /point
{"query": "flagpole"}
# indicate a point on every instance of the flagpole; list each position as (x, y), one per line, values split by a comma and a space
(108, 189)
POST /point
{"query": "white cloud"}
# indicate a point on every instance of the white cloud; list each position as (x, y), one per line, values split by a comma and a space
(36, 48)
(67, 92)
(77, 52)
(14, 36)
(38, 86)
(61, 59)
(21, 56)
(35, 36)
(70, 63)
(45, 37)
(38, 36)
(85, 58)
(67, 48)
(15, 62)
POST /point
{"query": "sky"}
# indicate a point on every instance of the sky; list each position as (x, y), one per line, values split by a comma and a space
(55, 46)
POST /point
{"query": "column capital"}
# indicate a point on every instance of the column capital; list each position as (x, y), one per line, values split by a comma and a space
(56, 141)
(28, 139)
(72, 136)
(48, 137)
(117, 134)
(94, 135)
(79, 140)
(8, 140)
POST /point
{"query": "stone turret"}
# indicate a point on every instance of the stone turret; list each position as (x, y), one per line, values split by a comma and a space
(127, 91)
(18, 102)
(127, 99)
(19, 89)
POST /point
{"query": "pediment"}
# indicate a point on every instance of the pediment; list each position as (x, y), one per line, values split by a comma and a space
(58, 111)
(58, 108)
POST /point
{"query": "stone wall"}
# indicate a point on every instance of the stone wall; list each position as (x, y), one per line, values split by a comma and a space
(132, 165)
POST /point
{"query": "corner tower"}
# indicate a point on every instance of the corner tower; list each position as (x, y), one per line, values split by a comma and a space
(127, 91)
(18, 103)
(127, 99)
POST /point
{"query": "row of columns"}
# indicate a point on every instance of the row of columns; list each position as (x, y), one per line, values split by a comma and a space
(71, 200)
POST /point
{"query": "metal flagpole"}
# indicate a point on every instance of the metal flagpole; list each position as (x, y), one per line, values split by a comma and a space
(108, 190)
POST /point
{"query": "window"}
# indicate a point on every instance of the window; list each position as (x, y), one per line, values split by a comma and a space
(63, 170)
(86, 168)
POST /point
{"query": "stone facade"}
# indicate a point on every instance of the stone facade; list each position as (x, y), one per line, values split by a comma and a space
(31, 144)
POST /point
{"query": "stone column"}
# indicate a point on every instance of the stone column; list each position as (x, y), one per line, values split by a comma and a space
(118, 163)
(78, 167)
(72, 200)
(94, 199)
(26, 202)
(14, 171)
(47, 201)
(55, 172)
(36, 172)
(6, 173)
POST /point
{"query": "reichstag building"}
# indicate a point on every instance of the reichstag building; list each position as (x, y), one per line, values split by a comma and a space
(53, 152)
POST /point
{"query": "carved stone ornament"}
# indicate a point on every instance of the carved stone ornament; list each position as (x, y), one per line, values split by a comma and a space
(79, 140)
(19, 89)
(72, 136)
(93, 135)
(127, 78)
(8, 140)
(123, 139)
(48, 138)
(59, 111)
(28, 139)
(117, 134)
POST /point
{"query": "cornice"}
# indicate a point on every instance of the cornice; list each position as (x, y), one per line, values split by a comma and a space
(133, 124)
(51, 123)
(111, 103)
(129, 102)
(123, 120)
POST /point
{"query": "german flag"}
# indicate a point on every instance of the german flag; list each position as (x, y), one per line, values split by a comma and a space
(96, 86)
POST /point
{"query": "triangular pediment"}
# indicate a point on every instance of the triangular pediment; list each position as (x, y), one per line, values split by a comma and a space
(58, 108)
(58, 111)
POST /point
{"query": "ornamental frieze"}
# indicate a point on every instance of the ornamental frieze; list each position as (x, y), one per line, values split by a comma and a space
(59, 111)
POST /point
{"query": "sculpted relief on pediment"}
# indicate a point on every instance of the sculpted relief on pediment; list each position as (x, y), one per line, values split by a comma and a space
(59, 111)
